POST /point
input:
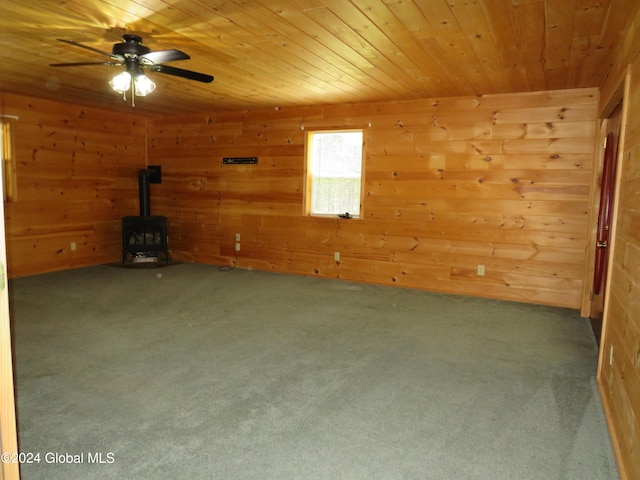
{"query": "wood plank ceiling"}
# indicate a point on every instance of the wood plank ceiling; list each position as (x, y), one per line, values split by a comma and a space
(310, 52)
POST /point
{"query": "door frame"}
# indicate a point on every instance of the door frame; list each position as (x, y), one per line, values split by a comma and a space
(620, 96)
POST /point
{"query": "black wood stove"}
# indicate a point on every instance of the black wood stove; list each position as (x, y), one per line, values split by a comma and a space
(144, 238)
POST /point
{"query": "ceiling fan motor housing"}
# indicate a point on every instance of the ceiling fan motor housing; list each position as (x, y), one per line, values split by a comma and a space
(132, 47)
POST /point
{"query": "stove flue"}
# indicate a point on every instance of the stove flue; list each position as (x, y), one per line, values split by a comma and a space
(146, 176)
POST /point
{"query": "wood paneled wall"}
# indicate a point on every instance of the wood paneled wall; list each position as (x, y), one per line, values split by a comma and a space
(77, 176)
(452, 183)
(619, 367)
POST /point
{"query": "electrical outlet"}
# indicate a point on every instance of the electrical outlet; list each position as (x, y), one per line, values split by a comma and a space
(480, 270)
(73, 246)
(237, 237)
(237, 246)
(336, 256)
(610, 354)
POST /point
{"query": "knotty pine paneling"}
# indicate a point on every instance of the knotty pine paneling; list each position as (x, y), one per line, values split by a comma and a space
(267, 53)
(77, 176)
(449, 184)
(619, 380)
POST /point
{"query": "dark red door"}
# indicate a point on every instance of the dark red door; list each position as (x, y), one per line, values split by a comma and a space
(603, 238)
(605, 213)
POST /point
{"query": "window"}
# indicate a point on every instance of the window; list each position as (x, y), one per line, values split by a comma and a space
(8, 162)
(334, 172)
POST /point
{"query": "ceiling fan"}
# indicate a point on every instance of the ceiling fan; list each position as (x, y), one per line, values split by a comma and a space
(135, 57)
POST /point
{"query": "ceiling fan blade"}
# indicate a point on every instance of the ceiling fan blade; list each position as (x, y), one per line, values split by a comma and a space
(80, 64)
(97, 50)
(163, 56)
(179, 72)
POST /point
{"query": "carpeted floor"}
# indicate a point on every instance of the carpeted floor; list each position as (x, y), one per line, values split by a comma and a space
(187, 372)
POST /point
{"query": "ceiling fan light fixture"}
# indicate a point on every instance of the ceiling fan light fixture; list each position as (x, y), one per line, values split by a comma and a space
(135, 57)
(121, 82)
(143, 85)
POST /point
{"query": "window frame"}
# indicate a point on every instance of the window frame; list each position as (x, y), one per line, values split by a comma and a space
(8, 159)
(308, 177)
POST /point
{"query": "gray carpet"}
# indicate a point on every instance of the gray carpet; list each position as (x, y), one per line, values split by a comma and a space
(187, 372)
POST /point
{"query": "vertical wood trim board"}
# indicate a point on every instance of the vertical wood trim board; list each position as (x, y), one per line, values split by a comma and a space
(8, 433)
(9, 470)
(77, 176)
(503, 181)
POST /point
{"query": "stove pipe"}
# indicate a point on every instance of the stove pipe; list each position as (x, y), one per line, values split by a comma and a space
(147, 176)
(145, 194)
